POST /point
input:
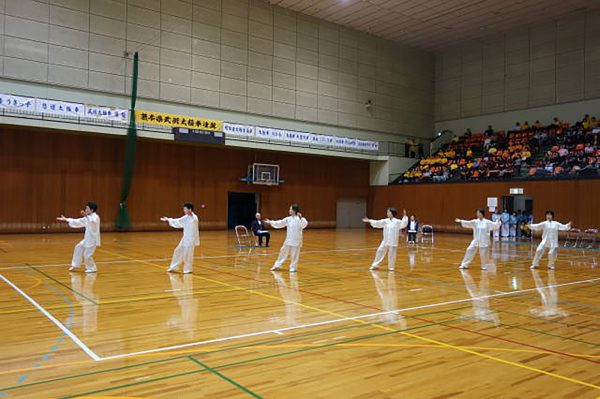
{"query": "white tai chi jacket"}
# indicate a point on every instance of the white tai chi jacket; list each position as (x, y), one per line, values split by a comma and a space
(91, 222)
(189, 224)
(391, 229)
(294, 225)
(481, 230)
(550, 234)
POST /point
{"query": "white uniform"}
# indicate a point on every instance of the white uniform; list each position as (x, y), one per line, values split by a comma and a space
(481, 240)
(184, 252)
(91, 239)
(293, 240)
(549, 240)
(391, 234)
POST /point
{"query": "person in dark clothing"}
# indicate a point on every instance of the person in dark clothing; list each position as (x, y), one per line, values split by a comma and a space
(258, 228)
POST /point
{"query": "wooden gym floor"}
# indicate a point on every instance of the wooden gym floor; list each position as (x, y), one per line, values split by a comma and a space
(235, 329)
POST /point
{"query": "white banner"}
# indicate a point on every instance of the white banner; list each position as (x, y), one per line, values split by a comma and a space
(62, 108)
(107, 113)
(9, 101)
(299, 137)
(238, 130)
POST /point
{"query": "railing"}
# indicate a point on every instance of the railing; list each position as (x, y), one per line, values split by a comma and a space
(440, 140)
(389, 148)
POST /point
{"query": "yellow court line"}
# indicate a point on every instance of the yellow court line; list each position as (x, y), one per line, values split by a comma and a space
(291, 346)
(113, 301)
(163, 296)
(497, 359)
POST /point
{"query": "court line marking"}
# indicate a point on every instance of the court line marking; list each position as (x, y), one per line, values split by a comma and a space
(94, 356)
(279, 331)
(64, 329)
(130, 260)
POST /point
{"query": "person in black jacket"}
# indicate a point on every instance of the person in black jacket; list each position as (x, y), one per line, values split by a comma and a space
(413, 228)
(259, 230)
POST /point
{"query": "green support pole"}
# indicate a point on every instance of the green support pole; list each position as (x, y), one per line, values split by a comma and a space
(123, 222)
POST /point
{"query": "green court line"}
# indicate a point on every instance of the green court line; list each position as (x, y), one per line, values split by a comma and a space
(546, 320)
(262, 358)
(222, 376)
(62, 284)
(537, 332)
(276, 340)
(134, 384)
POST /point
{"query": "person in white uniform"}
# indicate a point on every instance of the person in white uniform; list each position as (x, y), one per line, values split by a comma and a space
(549, 239)
(295, 223)
(184, 252)
(481, 238)
(391, 233)
(91, 239)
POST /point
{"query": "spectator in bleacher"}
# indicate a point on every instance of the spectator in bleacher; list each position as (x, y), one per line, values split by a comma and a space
(525, 126)
(517, 127)
(537, 125)
(468, 133)
(412, 148)
(556, 123)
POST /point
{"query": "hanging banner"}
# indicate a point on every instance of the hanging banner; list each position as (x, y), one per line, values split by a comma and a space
(107, 113)
(170, 120)
(9, 101)
(60, 108)
(233, 129)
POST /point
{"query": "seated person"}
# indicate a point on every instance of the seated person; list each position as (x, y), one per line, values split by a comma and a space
(258, 228)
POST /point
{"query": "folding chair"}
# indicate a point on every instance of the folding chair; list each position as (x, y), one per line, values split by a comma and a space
(588, 237)
(572, 239)
(427, 234)
(244, 238)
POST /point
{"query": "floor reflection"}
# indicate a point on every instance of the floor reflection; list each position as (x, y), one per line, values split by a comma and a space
(182, 287)
(83, 283)
(481, 302)
(386, 289)
(548, 295)
(291, 294)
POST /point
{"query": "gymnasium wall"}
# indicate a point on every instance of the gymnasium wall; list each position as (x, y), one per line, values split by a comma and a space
(529, 67)
(439, 204)
(242, 56)
(44, 174)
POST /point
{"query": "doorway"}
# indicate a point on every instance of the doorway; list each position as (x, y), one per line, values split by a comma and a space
(349, 213)
(515, 203)
(241, 208)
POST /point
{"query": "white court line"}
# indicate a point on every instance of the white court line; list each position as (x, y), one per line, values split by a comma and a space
(73, 337)
(280, 331)
(169, 258)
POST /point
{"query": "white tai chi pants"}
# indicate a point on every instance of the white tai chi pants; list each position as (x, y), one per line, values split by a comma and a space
(513, 230)
(470, 254)
(284, 252)
(539, 252)
(392, 252)
(183, 255)
(505, 230)
(86, 254)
